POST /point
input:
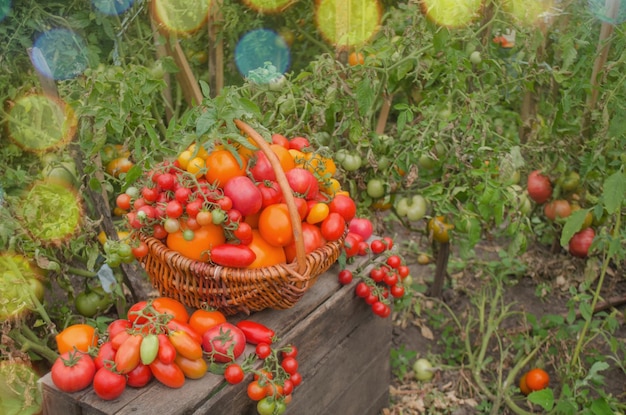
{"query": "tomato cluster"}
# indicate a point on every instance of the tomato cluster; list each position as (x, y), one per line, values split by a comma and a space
(382, 275)
(159, 339)
(559, 199)
(225, 205)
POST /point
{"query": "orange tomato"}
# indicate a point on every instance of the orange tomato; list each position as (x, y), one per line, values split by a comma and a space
(275, 225)
(253, 220)
(537, 379)
(266, 254)
(317, 213)
(118, 166)
(356, 58)
(77, 336)
(202, 320)
(185, 346)
(192, 368)
(175, 308)
(198, 246)
(222, 166)
(284, 157)
(523, 387)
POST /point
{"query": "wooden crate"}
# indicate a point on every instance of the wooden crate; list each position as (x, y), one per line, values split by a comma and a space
(343, 356)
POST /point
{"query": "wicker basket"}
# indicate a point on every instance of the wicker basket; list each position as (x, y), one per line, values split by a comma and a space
(234, 290)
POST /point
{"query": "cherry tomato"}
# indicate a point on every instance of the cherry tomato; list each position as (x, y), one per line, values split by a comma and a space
(290, 364)
(256, 392)
(537, 379)
(539, 187)
(234, 374)
(263, 350)
(345, 276)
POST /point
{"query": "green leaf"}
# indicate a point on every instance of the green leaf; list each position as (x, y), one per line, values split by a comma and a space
(614, 190)
(206, 121)
(544, 398)
(95, 185)
(586, 311)
(205, 88)
(600, 407)
(364, 96)
(572, 225)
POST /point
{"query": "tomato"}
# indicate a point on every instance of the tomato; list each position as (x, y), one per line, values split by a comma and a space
(281, 140)
(256, 332)
(256, 392)
(166, 181)
(123, 201)
(234, 374)
(287, 387)
(539, 187)
(397, 291)
(290, 364)
(333, 227)
(344, 205)
(202, 320)
(523, 386)
(224, 342)
(185, 345)
(243, 233)
(222, 166)
(312, 238)
(203, 240)
(296, 378)
(73, 371)
(303, 183)
(345, 276)
(89, 303)
(581, 242)
(439, 229)
(362, 227)
(174, 325)
(172, 307)
(557, 209)
(317, 213)
(118, 166)
(192, 368)
(117, 326)
(105, 356)
(275, 225)
(271, 192)
(149, 349)
(193, 208)
(423, 369)
(537, 379)
(416, 208)
(80, 337)
(351, 244)
(169, 374)
(351, 162)
(266, 406)
(139, 376)
(375, 188)
(245, 195)
(266, 254)
(166, 352)
(569, 181)
(475, 57)
(299, 143)
(108, 385)
(128, 354)
(356, 58)
(135, 316)
(263, 350)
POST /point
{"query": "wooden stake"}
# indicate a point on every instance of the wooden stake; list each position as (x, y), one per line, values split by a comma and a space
(216, 49)
(443, 254)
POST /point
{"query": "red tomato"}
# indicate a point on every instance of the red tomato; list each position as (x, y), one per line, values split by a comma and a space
(256, 392)
(263, 350)
(256, 332)
(261, 169)
(537, 379)
(303, 183)
(312, 238)
(557, 209)
(224, 342)
(127, 357)
(290, 364)
(539, 187)
(351, 244)
(246, 197)
(333, 227)
(243, 233)
(234, 374)
(202, 320)
(73, 371)
(105, 356)
(139, 376)
(167, 352)
(108, 385)
(298, 143)
(169, 374)
(361, 226)
(134, 315)
(271, 192)
(344, 205)
(231, 255)
(581, 241)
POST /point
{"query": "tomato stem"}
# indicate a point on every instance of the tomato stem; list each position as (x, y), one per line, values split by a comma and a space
(29, 345)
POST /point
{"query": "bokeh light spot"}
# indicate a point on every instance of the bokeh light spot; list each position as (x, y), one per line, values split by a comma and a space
(5, 7)
(39, 122)
(609, 11)
(18, 279)
(348, 24)
(528, 12)
(51, 212)
(262, 56)
(112, 7)
(181, 16)
(451, 13)
(60, 54)
(269, 6)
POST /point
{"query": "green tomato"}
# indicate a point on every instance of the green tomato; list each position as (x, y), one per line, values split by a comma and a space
(569, 181)
(351, 162)
(219, 216)
(426, 162)
(90, 303)
(417, 208)
(114, 260)
(384, 162)
(402, 206)
(475, 57)
(375, 188)
(132, 191)
(423, 369)
(266, 406)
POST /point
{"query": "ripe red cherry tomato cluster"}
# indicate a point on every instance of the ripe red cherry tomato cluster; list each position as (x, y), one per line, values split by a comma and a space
(381, 276)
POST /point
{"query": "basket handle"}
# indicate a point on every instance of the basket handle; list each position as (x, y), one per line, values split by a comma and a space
(281, 178)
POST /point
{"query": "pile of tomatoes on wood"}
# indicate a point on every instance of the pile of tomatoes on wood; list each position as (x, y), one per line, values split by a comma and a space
(224, 204)
(160, 340)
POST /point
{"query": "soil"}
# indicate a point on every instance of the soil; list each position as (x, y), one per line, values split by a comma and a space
(542, 289)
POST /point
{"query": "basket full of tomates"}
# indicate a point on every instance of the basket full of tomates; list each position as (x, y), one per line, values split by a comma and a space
(239, 225)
